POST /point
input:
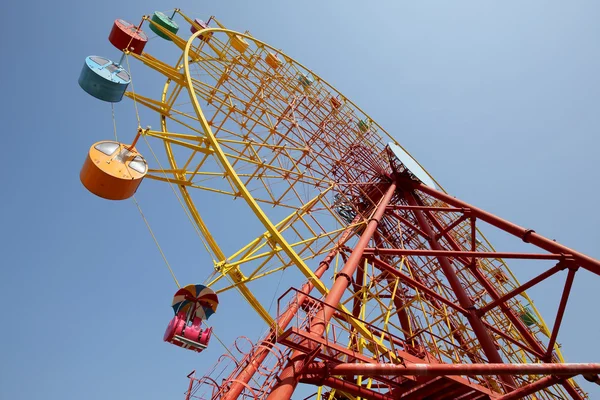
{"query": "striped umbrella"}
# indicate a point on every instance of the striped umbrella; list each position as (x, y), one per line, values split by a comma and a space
(203, 300)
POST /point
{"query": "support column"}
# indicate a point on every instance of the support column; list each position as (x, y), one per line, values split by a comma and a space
(283, 321)
(487, 344)
(346, 387)
(534, 387)
(399, 304)
(527, 235)
(290, 376)
(518, 324)
(345, 369)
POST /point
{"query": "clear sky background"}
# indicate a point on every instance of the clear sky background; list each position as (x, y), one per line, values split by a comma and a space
(498, 100)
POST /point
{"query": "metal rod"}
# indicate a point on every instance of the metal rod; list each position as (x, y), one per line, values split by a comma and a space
(533, 387)
(536, 351)
(560, 313)
(346, 369)
(409, 224)
(487, 343)
(558, 267)
(415, 284)
(135, 140)
(191, 385)
(398, 303)
(460, 253)
(426, 208)
(568, 385)
(452, 226)
(519, 325)
(243, 377)
(346, 387)
(517, 322)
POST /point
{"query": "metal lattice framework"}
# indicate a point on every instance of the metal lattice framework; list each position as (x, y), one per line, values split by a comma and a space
(414, 281)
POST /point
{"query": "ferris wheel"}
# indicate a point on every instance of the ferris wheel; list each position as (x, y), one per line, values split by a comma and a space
(397, 293)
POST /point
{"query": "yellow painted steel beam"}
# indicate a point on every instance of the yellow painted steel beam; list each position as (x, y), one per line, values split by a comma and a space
(168, 139)
(154, 105)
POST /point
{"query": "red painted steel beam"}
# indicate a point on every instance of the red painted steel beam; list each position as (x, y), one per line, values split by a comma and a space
(240, 381)
(346, 369)
(398, 302)
(344, 277)
(454, 225)
(560, 313)
(426, 208)
(571, 390)
(346, 387)
(425, 389)
(518, 323)
(191, 385)
(434, 297)
(461, 253)
(538, 351)
(534, 387)
(431, 295)
(535, 347)
(244, 376)
(558, 267)
(289, 377)
(382, 265)
(527, 235)
(479, 329)
(409, 224)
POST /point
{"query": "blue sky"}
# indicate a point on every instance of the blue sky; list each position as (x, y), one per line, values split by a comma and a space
(498, 100)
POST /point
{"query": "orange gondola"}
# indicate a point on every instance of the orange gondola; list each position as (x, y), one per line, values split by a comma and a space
(113, 170)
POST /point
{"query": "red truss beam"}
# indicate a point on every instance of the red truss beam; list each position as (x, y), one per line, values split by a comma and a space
(472, 266)
(454, 224)
(527, 235)
(304, 341)
(479, 329)
(346, 369)
(409, 224)
(558, 267)
(573, 257)
(536, 387)
(399, 304)
(289, 377)
(382, 265)
(345, 386)
(560, 313)
(239, 383)
(460, 253)
(425, 208)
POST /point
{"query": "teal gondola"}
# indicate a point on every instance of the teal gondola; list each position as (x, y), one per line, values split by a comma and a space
(104, 79)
